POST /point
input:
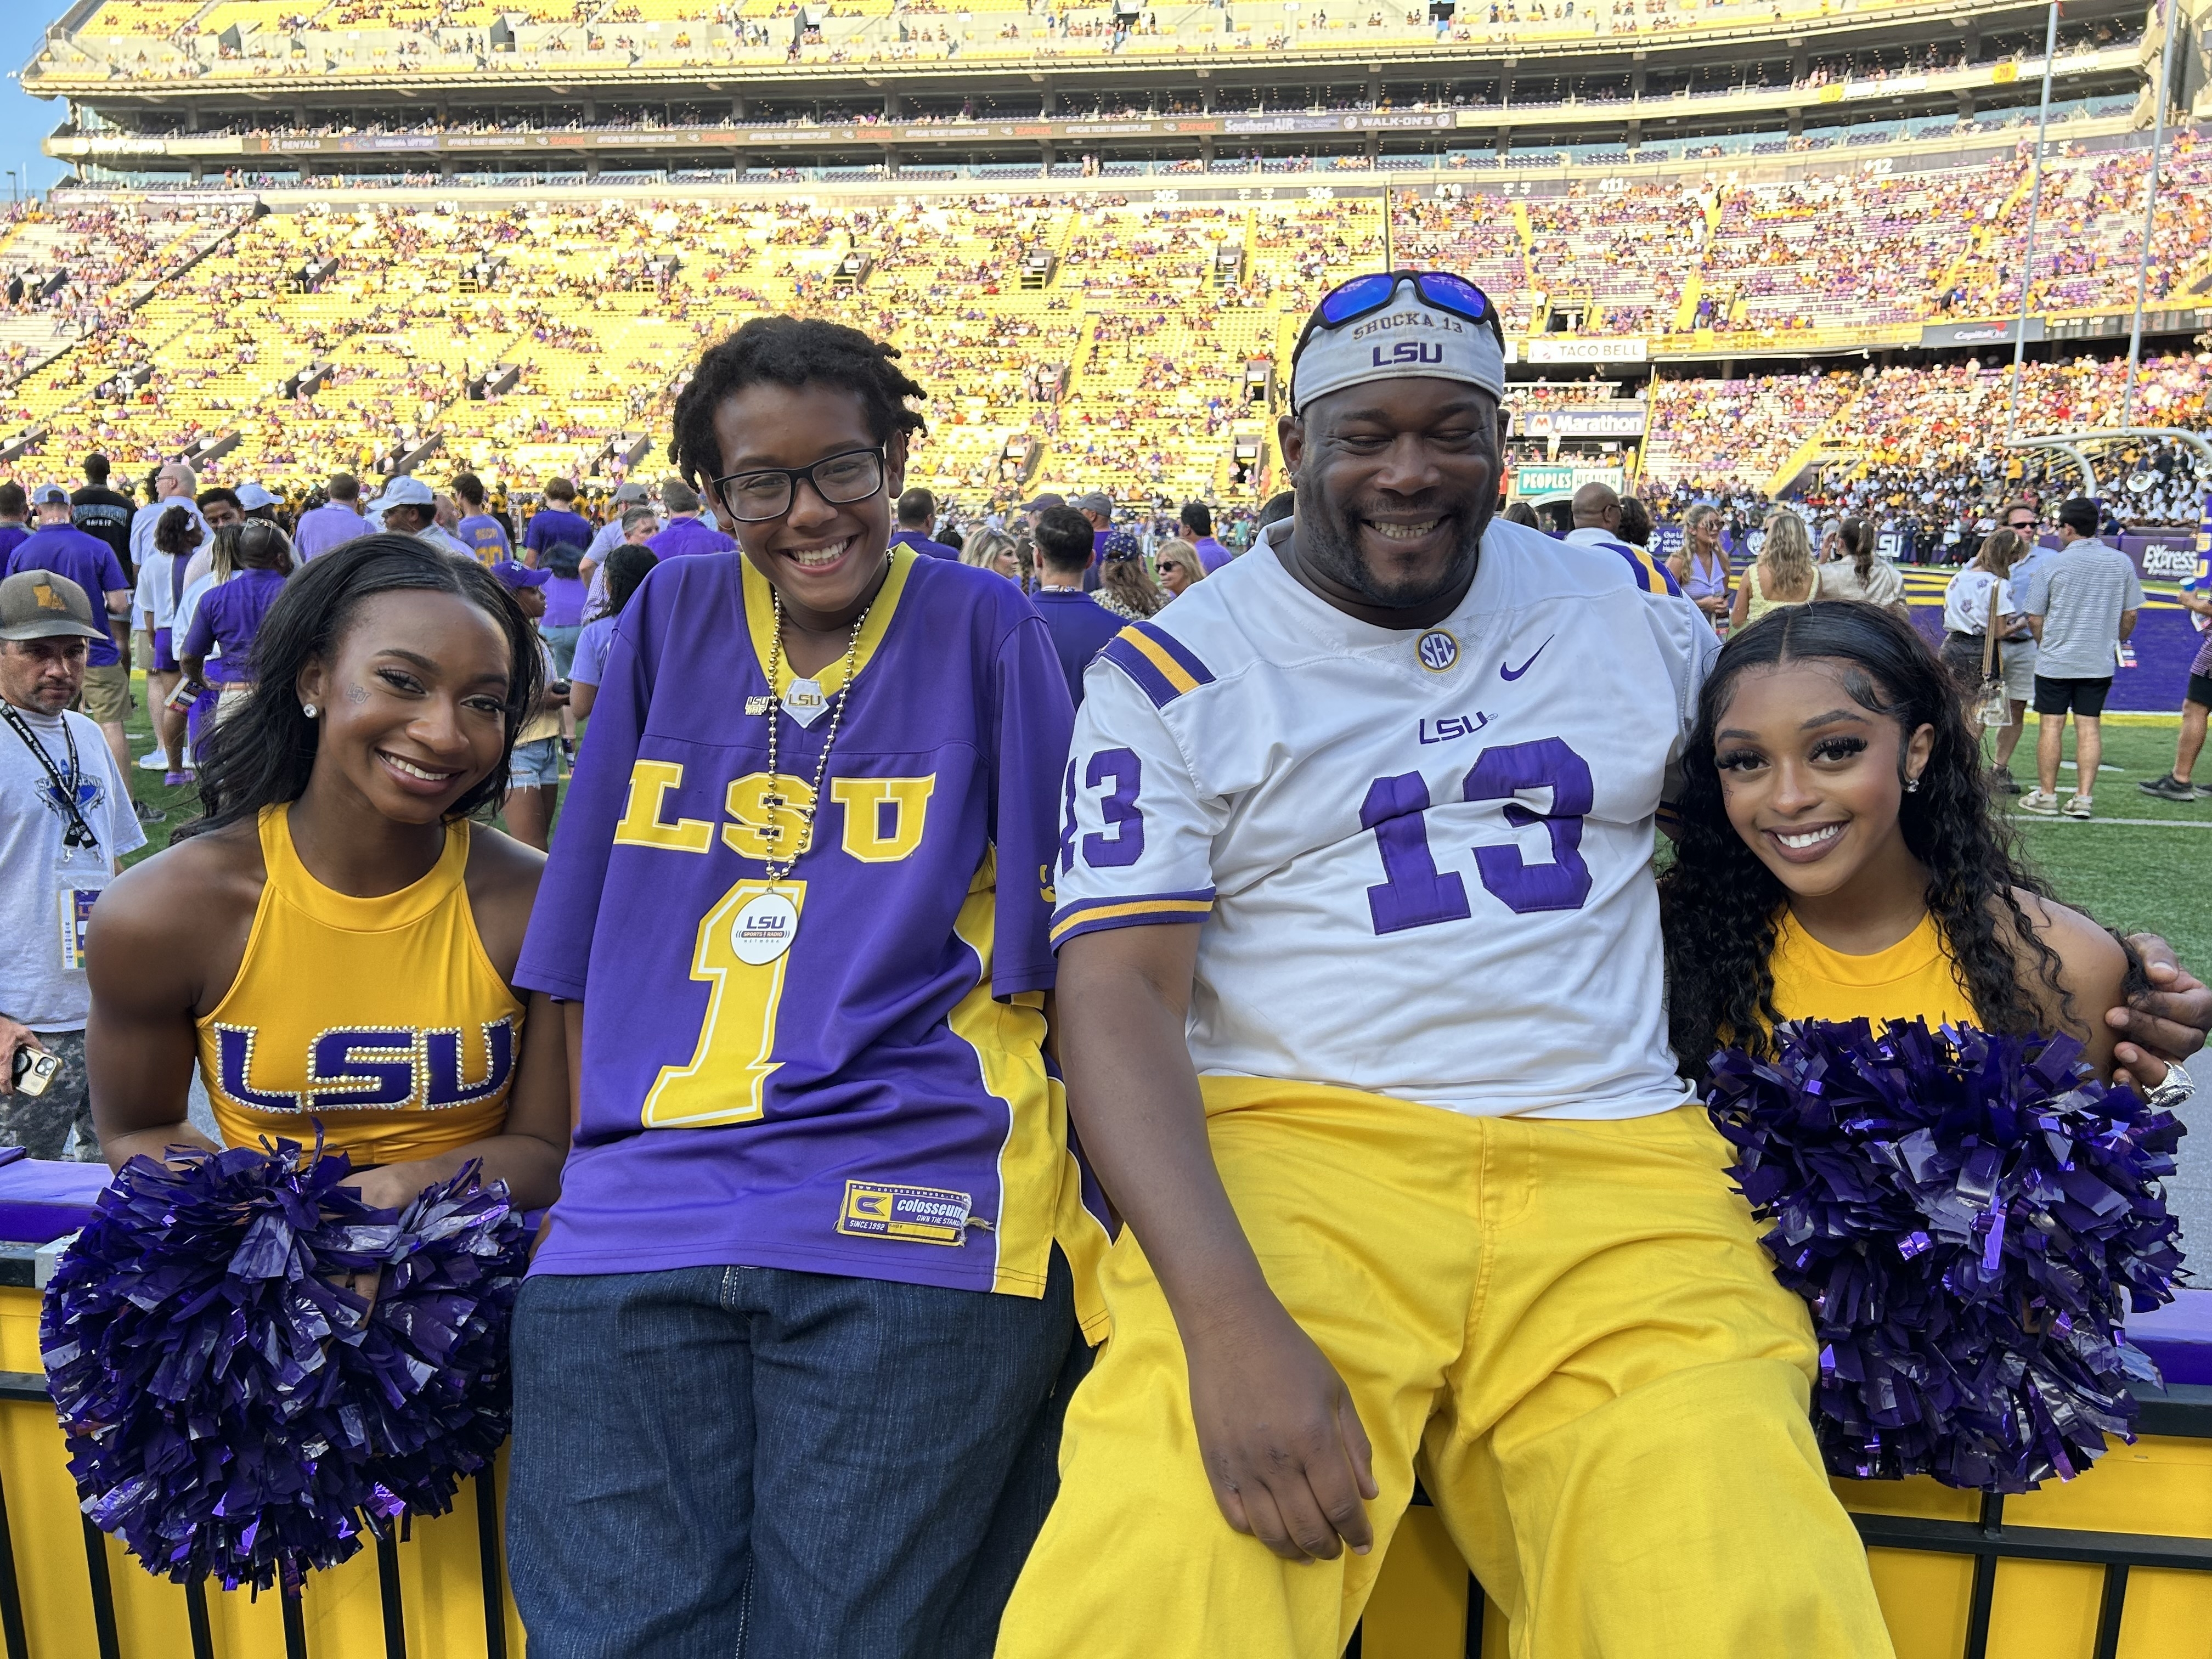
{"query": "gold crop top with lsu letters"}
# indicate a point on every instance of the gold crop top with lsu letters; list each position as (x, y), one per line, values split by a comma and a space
(382, 1019)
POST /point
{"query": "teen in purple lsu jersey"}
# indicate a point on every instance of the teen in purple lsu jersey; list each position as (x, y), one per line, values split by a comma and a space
(809, 1245)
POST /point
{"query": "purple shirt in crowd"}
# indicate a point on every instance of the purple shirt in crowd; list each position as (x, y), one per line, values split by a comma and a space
(322, 528)
(85, 560)
(486, 537)
(564, 601)
(550, 526)
(687, 535)
(1081, 628)
(229, 616)
(1212, 555)
(844, 1096)
(12, 535)
(921, 543)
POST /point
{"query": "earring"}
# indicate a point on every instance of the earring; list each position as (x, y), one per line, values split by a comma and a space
(1911, 785)
(309, 710)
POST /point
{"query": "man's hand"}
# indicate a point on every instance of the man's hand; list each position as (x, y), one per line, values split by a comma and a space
(1282, 1441)
(2162, 1025)
(13, 1037)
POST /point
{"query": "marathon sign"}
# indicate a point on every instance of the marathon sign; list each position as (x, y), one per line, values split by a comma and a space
(1604, 420)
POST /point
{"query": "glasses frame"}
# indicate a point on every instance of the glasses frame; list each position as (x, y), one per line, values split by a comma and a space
(792, 476)
(1444, 299)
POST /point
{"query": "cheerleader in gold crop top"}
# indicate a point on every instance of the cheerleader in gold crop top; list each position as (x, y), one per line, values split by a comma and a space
(334, 940)
(1838, 860)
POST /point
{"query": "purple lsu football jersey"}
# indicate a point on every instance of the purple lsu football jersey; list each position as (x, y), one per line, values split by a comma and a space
(845, 1075)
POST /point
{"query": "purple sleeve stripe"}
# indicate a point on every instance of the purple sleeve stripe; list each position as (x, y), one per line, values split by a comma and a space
(1090, 916)
(1176, 650)
(1123, 652)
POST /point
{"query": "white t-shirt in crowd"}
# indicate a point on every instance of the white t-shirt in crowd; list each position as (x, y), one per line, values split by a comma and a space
(36, 987)
(1966, 601)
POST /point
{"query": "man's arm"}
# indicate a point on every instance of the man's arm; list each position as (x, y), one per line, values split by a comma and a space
(1283, 1445)
(2128, 624)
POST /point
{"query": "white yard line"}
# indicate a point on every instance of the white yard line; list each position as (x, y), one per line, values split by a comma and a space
(2152, 823)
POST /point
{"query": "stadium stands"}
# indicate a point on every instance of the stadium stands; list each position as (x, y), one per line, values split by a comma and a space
(1097, 270)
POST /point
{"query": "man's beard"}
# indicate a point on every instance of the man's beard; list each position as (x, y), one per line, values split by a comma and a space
(1328, 543)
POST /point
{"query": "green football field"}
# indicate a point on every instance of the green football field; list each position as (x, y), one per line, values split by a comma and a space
(2142, 863)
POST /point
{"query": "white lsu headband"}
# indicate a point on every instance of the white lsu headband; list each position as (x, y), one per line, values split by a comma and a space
(1406, 339)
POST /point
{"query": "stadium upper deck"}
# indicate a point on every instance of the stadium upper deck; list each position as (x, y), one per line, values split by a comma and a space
(328, 90)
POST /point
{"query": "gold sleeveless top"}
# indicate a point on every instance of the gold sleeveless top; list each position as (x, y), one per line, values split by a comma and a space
(382, 1019)
(1914, 977)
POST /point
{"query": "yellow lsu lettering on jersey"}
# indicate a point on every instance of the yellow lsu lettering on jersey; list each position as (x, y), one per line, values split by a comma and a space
(640, 823)
(883, 816)
(772, 818)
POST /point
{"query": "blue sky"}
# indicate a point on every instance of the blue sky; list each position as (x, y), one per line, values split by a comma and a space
(24, 120)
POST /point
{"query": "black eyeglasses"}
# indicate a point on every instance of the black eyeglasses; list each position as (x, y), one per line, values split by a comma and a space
(764, 493)
(1363, 296)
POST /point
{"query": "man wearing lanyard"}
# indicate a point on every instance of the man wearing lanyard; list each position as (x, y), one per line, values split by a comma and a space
(65, 819)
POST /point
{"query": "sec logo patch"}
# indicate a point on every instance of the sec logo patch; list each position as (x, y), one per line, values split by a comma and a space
(1437, 650)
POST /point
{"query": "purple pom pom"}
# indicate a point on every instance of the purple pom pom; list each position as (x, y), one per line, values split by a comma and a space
(232, 1413)
(1970, 1221)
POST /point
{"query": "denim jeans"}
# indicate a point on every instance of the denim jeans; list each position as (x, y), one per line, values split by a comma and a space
(726, 1463)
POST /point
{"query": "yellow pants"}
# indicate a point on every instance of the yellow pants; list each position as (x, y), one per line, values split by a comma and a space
(1572, 1326)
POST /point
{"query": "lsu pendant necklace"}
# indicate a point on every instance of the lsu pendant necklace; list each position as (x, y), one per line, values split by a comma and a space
(766, 927)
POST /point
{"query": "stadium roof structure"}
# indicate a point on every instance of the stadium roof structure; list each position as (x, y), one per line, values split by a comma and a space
(325, 90)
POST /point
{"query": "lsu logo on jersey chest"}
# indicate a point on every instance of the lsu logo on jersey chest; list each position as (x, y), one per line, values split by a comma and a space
(368, 1068)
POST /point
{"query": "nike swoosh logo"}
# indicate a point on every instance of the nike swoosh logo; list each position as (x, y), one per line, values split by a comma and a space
(1516, 673)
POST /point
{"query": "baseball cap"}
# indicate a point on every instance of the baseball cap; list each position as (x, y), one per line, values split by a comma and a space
(1043, 502)
(629, 492)
(1120, 544)
(40, 604)
(50, 495)
(1406, 337)
(512, 573)
(404, 490)
(252, 495)
(1097, 501)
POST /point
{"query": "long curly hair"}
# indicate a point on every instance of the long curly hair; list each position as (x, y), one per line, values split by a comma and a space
(1721, 906)
(262, 754)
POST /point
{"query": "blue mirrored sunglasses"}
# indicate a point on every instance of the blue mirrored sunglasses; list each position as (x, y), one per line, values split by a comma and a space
(1363, 296)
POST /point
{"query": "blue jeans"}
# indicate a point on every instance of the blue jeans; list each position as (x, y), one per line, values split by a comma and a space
(562, 641)
(728, 1462)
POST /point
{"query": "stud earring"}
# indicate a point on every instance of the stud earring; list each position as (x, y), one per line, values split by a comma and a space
(1912, 786)
(309, 710)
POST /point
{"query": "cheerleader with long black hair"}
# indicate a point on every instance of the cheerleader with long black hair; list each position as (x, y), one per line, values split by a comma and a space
(334, 941)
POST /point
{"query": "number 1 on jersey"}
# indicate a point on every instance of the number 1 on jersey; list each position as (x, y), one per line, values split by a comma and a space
(727, 1078)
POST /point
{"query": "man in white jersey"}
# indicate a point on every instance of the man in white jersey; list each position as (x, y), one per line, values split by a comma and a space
(1366, 819)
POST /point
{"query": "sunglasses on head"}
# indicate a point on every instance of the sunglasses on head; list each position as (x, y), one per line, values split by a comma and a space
(1363, 296)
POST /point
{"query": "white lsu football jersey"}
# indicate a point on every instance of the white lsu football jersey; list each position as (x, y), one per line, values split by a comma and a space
(1421, 859)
